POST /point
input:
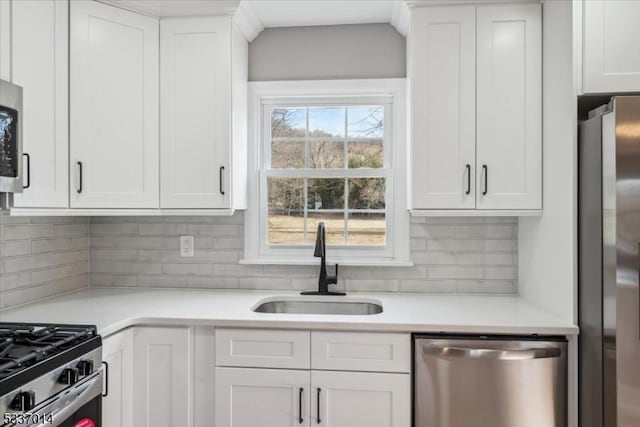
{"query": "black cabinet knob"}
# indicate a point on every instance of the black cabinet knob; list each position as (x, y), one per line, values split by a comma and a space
(85, 367)
(24, 401)
(68, 376)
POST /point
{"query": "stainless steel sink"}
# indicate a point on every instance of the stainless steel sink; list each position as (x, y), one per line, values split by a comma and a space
(319, 306)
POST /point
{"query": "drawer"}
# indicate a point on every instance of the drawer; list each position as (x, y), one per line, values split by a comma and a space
(356, 351)
(263, 348)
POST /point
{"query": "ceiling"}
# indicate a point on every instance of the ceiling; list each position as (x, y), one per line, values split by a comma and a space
(255, 15)
(293, 13)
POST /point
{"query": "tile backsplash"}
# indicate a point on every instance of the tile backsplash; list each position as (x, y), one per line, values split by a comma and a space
(464, 255)
(41, 257)
(45, 256)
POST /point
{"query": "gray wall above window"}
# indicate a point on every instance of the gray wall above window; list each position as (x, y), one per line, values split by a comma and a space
(328, 52)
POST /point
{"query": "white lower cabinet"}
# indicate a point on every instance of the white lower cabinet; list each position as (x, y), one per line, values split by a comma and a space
(162, 377)
(360, 399)
(117, 405)
(173, 376)
(262, 397)
(248, 397)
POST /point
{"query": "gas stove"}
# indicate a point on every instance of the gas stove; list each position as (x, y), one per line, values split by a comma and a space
(50, 375)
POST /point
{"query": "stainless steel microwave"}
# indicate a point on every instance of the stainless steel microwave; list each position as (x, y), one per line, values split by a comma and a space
(10, 138)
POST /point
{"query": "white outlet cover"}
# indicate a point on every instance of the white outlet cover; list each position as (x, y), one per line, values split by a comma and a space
(187, 247)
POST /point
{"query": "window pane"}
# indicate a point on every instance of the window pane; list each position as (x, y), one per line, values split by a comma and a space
(327, 122)
(367, 228)
(326, 154)
(334, 227)
(366, 122)
(366, 193)
(366, 154)
(288, 122)
(325, 193)
(287, 154)
(285, 222)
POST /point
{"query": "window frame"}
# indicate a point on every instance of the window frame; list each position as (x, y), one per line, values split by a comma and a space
(263, 96)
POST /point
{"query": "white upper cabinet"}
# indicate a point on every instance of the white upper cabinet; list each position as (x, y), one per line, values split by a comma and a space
(38, 42)
(476, 98)
(197, 116)
(114, 107)
(509, 107)
(442, 71)
(611, 58)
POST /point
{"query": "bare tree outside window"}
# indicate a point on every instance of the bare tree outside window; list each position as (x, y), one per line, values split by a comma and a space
(332, 138)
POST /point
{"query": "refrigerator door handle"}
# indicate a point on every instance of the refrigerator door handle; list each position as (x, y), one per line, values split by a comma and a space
(485, 353)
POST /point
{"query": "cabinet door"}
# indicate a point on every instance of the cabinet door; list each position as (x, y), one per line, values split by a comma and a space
(195, 112)
(39, 34)
(442, 80)
(117, 351)
(162, 377)
(261, 397)
(114, 107)
(358, 399)
(509, 126)
(611, 56)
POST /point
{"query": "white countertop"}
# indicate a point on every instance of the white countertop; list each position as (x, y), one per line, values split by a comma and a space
(113, 309)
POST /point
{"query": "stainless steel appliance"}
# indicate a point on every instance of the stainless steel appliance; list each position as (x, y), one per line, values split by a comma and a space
(10, 138)
(491, 381)
(50, 375)
(609, 261)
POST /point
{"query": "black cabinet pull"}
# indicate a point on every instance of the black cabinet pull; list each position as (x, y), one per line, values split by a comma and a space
(80, 177)
(468, 179)
(221, 176)
(106, 379)
(28, 170)
(300, 393)
(485, 169)
(318, 406)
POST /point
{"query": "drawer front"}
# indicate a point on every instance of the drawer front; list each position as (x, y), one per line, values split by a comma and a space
(263, 348)
(356, 351)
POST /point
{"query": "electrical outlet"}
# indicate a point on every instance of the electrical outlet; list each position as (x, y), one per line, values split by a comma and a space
(187, 248)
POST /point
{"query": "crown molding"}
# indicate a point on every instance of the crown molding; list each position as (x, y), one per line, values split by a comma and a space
(400, 17)
(248, 21)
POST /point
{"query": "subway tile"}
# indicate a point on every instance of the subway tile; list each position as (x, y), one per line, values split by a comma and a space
(507, 273)
(455, 272)
(187, 269)
(373, 285)
(15, 248)
(27, 231)
(70, 230)
(119, 229)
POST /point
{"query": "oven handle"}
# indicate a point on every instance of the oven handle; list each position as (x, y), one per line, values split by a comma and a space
(91, 390)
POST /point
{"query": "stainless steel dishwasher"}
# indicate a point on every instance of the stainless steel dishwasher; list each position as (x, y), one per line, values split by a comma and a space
(490, 381)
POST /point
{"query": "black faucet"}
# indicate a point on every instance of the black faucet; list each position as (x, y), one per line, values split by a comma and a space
(321, 252)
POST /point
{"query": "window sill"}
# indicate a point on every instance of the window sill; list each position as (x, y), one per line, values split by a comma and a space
(368, 262)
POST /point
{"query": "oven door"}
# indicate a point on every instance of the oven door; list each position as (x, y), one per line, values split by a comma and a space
(10, 138)
(80, 406)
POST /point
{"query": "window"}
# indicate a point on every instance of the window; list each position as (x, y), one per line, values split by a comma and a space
(326, 163)
(333, 156)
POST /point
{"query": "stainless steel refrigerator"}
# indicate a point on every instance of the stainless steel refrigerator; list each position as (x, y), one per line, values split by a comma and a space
(609, 263)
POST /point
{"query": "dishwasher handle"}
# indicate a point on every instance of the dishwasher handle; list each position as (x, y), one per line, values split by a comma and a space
(487, 353)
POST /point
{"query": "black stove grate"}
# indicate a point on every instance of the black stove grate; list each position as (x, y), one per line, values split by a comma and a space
(24, 345)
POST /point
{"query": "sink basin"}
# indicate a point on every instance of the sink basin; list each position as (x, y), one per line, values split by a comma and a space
(319, 305)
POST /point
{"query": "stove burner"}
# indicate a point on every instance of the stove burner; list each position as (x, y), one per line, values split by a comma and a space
(22, 345)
